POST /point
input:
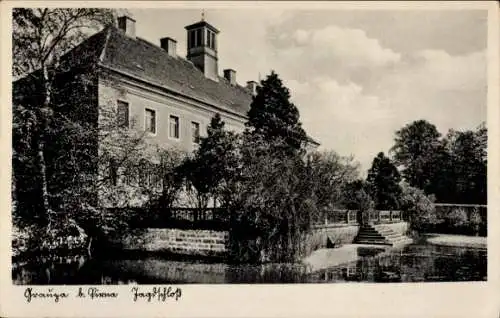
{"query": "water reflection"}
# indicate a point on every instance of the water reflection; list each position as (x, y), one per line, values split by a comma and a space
(414, 263)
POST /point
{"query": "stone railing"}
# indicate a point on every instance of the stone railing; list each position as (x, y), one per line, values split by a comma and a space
(385, 216)
(337, 218)
(350, 217)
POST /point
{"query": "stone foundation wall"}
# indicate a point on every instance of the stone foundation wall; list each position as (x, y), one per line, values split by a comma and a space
(344, 234)
(339, 235)
(215, 243)
(186, 242)
(400, 227)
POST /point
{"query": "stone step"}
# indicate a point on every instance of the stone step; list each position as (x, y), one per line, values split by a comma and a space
(398, 239)
(393, 235)
(403, 240)
(375, 236)
(373, 242)
(368, 230)
(385, 231)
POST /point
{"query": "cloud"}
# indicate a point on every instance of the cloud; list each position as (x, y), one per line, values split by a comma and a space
(331, 50)
(459, 72)
(343, 118)
(447, 90)
(353, 93)
(358, 81)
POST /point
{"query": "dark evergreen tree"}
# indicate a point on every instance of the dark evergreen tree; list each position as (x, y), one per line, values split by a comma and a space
(383, 183)
(214, 162)
(273, 116)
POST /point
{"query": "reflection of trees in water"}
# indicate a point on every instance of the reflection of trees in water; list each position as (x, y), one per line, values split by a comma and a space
(51, 270)
(411, 264)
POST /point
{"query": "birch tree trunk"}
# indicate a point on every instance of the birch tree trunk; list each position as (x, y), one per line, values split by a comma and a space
(43, 129)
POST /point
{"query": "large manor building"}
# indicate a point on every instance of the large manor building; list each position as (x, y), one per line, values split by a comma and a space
(152, 89)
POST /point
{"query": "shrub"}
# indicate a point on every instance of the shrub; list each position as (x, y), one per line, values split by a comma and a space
(457, 218)
(475, 221)
(419, 207)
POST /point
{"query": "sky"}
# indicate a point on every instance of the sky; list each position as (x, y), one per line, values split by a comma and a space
(356, 76)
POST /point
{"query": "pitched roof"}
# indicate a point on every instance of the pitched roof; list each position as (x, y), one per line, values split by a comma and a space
(153, 64)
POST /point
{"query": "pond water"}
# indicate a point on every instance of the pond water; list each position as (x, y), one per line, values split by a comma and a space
(413, 263)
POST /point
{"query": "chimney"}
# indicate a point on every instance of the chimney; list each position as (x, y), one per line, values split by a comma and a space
(252, 87)
(127, 25)
(169, 45)
(230, 75)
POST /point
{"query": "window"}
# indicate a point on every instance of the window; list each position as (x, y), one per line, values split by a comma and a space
(174, 127)
(199, 38)
(211, 39)
(150, 121)
(195, 132)
(191, 39)
(122, 114)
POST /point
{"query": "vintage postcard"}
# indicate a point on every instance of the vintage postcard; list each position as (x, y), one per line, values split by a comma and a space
(250, 159)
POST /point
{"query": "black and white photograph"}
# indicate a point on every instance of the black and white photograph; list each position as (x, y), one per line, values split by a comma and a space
(319, 147)
(218, 145)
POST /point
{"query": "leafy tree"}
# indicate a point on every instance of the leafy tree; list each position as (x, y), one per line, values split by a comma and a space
(213, 163)
(383, 183)
(328, 173)
(356, 197)
(272, 203)
(452, 168)
(273, 116)
(416, 150)
(40, 37)
(468, 159)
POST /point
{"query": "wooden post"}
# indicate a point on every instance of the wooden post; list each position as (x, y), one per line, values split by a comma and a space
(390, 216)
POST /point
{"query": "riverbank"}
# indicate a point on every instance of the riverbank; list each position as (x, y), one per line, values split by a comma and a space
(457, 240)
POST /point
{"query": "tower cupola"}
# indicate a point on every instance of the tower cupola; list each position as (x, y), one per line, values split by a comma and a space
(202, 48)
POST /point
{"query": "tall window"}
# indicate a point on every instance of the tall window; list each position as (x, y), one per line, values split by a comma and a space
(211, 39)
(150, 121)
(192, 39)
(174, 127)
(122, 114)
(199, 38)
(195, 132)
